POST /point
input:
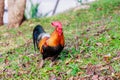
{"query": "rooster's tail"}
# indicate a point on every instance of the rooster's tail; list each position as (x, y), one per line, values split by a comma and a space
(38, 34)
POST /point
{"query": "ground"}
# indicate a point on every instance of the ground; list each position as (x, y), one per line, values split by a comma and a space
(92, 49)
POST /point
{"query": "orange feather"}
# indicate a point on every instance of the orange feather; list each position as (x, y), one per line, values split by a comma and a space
(54, 40)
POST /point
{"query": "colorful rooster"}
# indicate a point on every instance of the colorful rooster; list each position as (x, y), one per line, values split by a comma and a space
(49, 45)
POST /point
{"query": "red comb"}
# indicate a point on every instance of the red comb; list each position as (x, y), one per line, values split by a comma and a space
(57, 24)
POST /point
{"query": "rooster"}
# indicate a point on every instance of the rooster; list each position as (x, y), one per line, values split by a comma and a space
(49, 45)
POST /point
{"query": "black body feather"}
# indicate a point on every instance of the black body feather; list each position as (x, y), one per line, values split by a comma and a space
(49, 51)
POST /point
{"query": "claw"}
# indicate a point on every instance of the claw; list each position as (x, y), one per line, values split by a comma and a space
(52, 63)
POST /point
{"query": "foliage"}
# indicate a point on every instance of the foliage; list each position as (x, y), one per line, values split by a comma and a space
(33, 10)
(33, 13)
(80, 1)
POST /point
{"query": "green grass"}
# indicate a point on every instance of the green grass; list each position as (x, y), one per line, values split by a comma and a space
(90, 35)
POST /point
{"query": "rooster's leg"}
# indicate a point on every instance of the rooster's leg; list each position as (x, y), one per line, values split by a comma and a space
(54, 59)
(41, 63)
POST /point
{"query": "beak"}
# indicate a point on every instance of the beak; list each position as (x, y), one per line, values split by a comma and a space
(53, 25)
